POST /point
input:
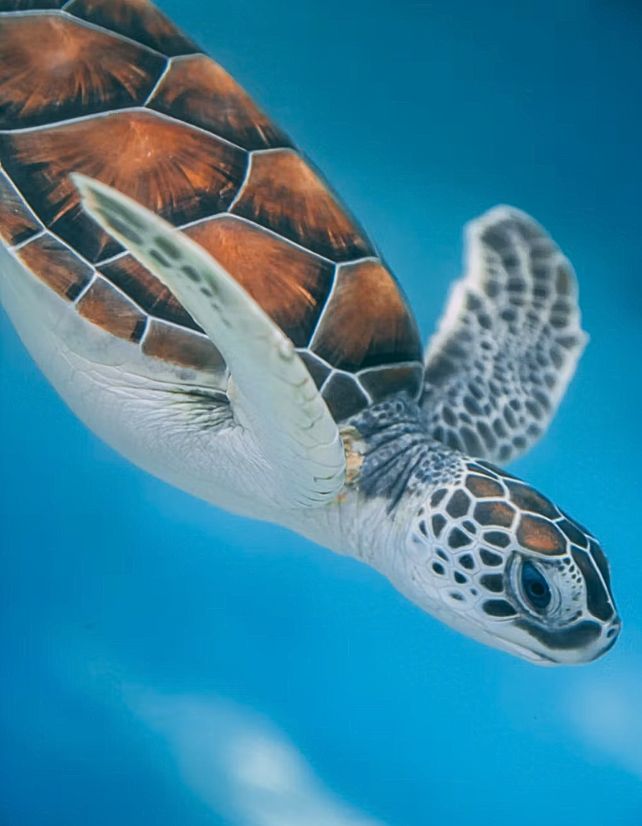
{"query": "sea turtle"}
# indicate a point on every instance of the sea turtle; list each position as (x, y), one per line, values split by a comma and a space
(199, 297)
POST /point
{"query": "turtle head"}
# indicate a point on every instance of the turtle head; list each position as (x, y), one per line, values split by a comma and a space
(498, 561)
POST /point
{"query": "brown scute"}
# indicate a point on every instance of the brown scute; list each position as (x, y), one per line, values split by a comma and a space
(176, 171)
(28, 5)
(53, 68)
(458, 504)
(494, 513)
(540, 535)
(137, 19)
(290, 285)
(343, 396)
(481, 487)
(528, 499)
(318, 369)
(367, 321)
(182, 347)
(105, 306)
(284, 194)
(199, 91)
(497, 538)
(484, 469)
(599, 557)
(16, 221)
(573, 532)
(146, 290)
(55, 264)
(382, 382)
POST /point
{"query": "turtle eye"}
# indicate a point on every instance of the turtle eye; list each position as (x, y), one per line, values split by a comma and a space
(534, 587)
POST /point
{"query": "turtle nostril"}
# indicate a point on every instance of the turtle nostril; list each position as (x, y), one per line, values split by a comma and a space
(611, 635)
(614, 629)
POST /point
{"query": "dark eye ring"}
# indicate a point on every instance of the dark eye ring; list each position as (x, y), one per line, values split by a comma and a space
(534, 587)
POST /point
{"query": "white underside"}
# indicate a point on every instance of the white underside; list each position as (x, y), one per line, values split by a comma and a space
(142, 408)
(139, 405)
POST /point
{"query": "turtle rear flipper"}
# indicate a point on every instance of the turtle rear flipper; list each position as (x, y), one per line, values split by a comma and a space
(272, 392)
(508, 343)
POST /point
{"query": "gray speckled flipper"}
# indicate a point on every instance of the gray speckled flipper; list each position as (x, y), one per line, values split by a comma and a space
(271, 392)
(508, 343)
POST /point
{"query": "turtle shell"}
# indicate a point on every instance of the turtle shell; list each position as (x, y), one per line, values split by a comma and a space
(113, 89)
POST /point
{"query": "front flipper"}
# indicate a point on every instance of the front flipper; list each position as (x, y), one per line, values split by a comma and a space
(272, 392)
(508, 343)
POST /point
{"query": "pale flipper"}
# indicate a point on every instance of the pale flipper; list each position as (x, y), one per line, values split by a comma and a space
(271, 391)
(508, 343)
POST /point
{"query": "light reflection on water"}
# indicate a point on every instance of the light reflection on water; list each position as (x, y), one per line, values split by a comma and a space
(239, 764)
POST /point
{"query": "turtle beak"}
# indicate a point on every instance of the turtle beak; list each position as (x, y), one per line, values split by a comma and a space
(594, 647)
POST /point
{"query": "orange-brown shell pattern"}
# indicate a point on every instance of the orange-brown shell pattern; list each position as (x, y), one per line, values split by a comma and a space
(112, 89)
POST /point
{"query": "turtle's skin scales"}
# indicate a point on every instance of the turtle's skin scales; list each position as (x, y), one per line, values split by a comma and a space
(114, 90)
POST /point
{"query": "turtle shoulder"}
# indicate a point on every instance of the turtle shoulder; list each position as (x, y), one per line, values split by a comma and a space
(137, 105)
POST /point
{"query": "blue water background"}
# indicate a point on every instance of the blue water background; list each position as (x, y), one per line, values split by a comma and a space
(123, 601)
